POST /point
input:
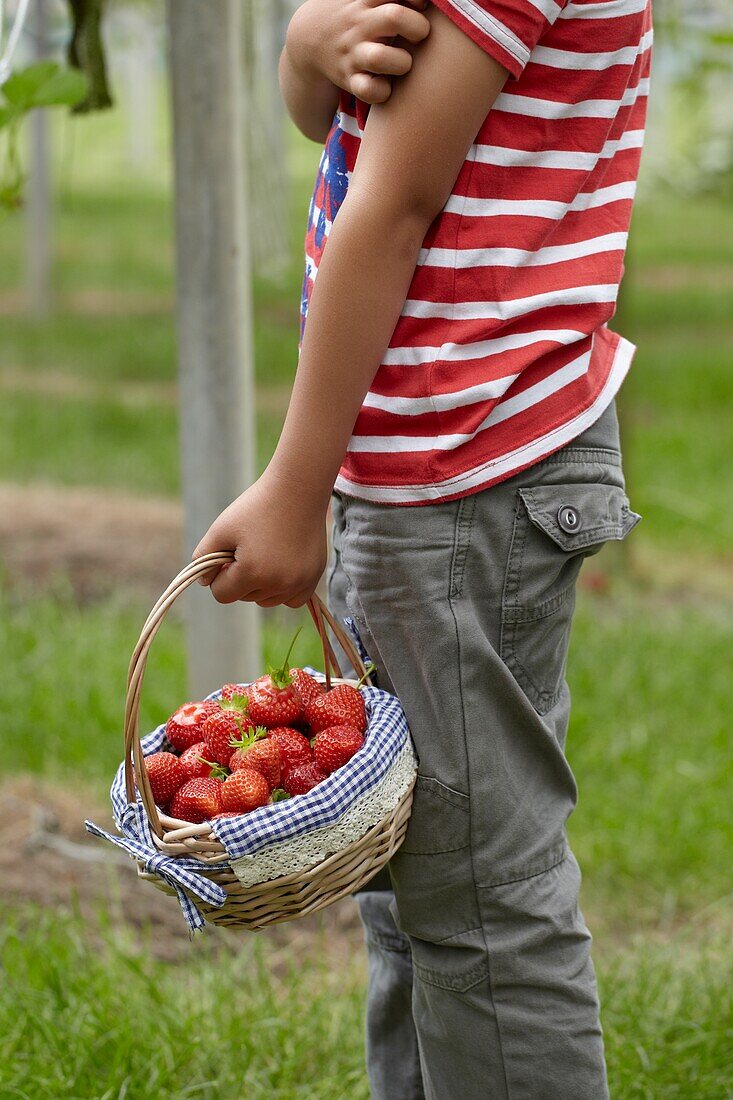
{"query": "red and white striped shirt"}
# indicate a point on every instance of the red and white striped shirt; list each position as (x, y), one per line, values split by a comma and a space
(501, 354)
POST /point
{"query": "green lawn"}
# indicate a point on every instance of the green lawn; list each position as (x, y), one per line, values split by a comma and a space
(103, 1023)
(88, 398)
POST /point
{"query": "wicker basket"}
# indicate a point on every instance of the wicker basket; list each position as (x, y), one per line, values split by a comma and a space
(279, 899)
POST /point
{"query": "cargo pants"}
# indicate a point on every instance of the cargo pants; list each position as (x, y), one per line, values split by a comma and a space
(481, 983)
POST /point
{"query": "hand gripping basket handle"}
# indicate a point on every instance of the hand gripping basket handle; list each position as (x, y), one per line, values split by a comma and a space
(322, 618)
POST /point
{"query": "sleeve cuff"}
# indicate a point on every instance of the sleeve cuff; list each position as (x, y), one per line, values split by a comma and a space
(487, 32)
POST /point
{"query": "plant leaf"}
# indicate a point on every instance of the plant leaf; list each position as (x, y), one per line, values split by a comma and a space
(20, 88)
(7, 114)
(45, 84)
(64, 89)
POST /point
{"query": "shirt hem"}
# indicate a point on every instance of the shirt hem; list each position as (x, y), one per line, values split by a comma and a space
(502, 467)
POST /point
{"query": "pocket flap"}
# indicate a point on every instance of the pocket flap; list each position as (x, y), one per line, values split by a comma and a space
(580, 515)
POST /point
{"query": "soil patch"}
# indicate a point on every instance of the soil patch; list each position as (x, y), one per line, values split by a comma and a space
(71, 386)
(47, 858)
(93, 302)
(97, 540)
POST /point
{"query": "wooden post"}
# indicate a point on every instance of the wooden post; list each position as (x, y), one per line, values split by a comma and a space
(266, 25)
(38, 196)
(216, 355)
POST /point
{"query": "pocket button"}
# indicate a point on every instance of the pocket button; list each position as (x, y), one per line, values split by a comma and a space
(569, 519)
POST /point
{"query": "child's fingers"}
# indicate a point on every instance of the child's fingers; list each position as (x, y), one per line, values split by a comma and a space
(231, 584)
(395, 20)
(378, 58)
(206, 578)
(418, 5)
(370, 88)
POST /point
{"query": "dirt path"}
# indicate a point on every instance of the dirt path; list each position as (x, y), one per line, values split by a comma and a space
(102, 541)
(47, 858)
(272, 400)
(98, 540)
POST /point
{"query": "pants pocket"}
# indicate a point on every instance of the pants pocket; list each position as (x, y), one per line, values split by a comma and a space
(555, 528)
(432, 871)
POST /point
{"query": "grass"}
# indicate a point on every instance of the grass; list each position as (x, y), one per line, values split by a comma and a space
(104, 1022)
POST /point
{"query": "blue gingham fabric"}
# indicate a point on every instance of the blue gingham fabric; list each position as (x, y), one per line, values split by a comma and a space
(386, 735)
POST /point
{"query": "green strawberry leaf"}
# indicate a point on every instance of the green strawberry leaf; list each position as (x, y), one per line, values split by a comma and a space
(279, 795)
(239, 703)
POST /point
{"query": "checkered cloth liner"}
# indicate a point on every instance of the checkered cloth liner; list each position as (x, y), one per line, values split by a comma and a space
(387, 733)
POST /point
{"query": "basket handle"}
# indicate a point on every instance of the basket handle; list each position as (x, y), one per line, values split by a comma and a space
(320, 614)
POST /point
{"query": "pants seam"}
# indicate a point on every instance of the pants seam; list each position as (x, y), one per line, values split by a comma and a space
(470, 826)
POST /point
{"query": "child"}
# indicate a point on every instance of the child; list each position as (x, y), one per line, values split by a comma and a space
(455, 387)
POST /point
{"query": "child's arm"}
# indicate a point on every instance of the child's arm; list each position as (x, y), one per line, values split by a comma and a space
(411, 153)
(334, 44)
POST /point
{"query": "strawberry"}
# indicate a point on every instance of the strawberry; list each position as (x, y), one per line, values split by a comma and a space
(221, 731)
(308, 687)
(197, 800)
(244, 791)
(303, 778)
(195, 762)
(165, 774)
(294, 746)
(235, 693)
(257, 750)
(183, 728)
(334, 747)
(274, 699)
(343, 705)
(228, 813)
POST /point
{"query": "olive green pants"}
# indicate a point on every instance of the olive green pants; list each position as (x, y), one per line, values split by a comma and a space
(481, 982)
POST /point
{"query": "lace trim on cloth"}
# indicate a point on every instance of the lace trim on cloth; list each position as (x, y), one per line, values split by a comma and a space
(304, 851)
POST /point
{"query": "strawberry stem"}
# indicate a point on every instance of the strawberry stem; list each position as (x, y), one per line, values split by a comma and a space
(248, 738)
(217, 772)
(370, 668)
(238, 703)
(280, 676)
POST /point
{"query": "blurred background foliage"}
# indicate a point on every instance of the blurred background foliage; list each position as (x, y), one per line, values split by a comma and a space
(90, 530)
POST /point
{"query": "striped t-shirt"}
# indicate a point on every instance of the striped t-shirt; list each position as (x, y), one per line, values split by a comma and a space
(501, 354)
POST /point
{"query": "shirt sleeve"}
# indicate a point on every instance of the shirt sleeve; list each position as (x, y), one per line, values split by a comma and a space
(508, 30)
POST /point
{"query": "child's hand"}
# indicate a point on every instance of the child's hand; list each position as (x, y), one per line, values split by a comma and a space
(280, 544)
(348, 42)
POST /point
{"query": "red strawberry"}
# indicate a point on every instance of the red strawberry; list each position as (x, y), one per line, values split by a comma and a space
(165, 774)
(334, 747)
(294, 747)
(274, 700)
(343, 705)
(198, 800)
(221, 731)
(303, 778)
(244, 791)
(183, 728)
(257, 750)
(308, 687)
(235, 693)
(229, 813)
(195, 762)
